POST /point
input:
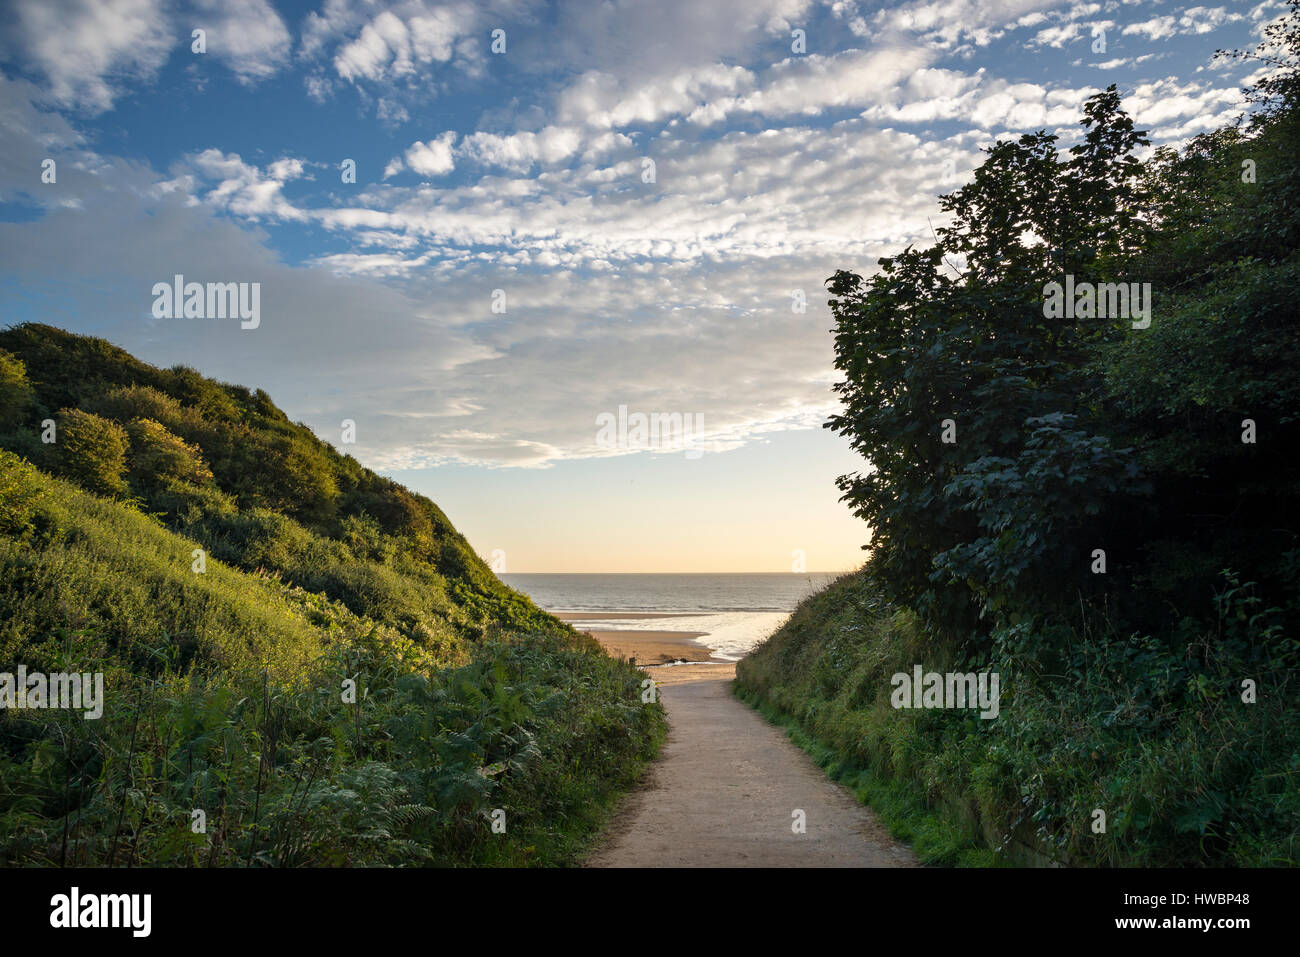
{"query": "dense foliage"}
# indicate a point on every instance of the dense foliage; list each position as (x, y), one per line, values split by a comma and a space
(304, 652)
(1106, 511)
(1187, 774)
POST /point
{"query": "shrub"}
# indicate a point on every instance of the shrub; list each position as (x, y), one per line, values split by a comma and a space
(125, 403)
(158, 455)
(15, 392)
(236, 678)
(91, 451)
(187, 504)
(20, 491)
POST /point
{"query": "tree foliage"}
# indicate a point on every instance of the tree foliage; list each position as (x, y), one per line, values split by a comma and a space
(1006, 449)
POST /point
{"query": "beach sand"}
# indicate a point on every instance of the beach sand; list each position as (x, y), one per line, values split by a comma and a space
(653, 647)
(696, 671)
(620, 615)
(647, 647)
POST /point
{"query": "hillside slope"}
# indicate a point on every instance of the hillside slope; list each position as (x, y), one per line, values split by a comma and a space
(226, 467)
(303, 662)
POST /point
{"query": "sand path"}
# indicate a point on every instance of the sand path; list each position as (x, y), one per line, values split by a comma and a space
(724, 789)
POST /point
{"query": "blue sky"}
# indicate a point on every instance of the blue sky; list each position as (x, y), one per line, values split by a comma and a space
(519, 178)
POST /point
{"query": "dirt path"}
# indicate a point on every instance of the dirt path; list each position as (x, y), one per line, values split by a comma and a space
(725, 787)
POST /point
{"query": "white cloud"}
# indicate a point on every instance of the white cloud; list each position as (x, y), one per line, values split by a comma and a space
(519, 151)
(605, 100)
(286, 169)
(248, 36)
(242, 189)
(812, 84)
(667, 295)
(1194, 20)
(90, 51)
(432, 158)
(943, 23)
(1156, 103)
(384, 47)
(393, 43)
(1157, 28)
(86, 49)
(635, 41)
(1057, 36)
(1070, 31)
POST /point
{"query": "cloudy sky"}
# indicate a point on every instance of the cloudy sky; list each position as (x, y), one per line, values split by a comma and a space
(557, 210)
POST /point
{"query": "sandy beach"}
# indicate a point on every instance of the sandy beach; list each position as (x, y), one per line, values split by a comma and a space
(648, 647)
(620, 615)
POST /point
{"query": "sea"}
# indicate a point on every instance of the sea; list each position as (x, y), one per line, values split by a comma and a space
(735, 611)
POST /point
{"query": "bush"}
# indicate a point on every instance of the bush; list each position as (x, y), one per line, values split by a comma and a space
(262, 462)
(1148, 729)
(126, 403)
(91, 451)
(15, 392)
(20, 493)
(158, 456)
(186, 505)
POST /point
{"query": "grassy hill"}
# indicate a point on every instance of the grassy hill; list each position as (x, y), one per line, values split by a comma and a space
(304, 662)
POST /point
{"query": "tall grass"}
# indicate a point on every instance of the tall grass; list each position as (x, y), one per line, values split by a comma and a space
(1153, 732)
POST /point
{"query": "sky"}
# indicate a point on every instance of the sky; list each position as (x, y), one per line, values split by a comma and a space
(498, 237)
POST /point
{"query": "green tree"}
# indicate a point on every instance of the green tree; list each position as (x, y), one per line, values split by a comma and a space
(974, 409)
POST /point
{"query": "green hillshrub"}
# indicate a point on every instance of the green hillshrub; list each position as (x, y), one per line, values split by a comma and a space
(1188, 773)
(91, 451)
(158, 456)
(15, 392)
